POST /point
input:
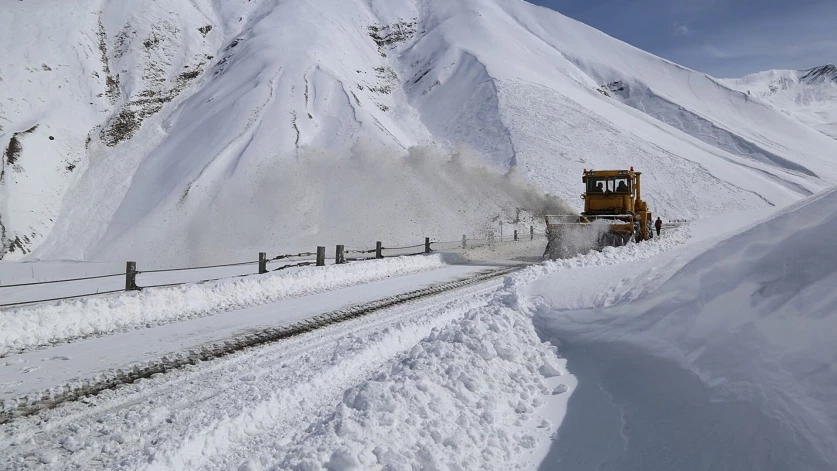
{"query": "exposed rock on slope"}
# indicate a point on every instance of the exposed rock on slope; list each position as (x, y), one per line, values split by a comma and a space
(165, 110)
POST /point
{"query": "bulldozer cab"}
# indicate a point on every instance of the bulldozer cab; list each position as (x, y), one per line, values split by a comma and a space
(610, 192)
(601, 184)
(613, 202)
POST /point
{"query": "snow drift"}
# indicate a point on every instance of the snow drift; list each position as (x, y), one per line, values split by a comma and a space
(747, 325)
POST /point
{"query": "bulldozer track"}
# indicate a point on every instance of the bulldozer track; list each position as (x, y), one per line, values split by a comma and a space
(32, 404)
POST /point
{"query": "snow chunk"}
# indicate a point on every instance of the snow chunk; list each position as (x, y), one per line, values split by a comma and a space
(460, 399)
(549, 369)
(560, 389)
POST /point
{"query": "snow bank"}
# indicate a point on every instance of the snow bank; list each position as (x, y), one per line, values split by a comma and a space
(39, 325)
(753, 318)
(628, 253)
(465, 397)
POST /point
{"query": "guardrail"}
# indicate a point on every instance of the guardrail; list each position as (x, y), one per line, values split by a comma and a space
(291, 260)
(295, 260)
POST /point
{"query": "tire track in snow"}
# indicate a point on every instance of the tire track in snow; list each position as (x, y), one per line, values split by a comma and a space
(30, 405)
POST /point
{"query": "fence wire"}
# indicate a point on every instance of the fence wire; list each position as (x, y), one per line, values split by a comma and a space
(360, 251)
(195, 282)
(403, 248)
(302, 263)
(167, 270)
(284, 256)
(22, 303)
(68, 280)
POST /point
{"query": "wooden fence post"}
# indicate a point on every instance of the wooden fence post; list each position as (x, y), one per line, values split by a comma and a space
(339, 256)
(464, 242)
(379, 250)
(320, 256)
(131, 276)
(262, 263)
(427, 245)
(531, 232)
(515, 234)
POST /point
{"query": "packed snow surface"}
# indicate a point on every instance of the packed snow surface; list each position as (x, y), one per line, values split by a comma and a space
(395, 379)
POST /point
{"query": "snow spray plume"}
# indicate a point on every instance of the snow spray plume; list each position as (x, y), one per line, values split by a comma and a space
(370, 193)
(574, 239)
(463, 169)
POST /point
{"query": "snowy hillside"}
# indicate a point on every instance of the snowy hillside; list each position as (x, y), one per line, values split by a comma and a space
(171, 131)
(809, 95)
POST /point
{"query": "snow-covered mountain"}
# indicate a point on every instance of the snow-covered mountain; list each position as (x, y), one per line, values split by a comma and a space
(809, 95)
(196, 130)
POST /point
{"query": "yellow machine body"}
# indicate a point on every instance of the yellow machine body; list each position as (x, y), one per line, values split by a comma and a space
(614, 197)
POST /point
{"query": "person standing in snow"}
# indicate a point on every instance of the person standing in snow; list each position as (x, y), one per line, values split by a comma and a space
(658, 224)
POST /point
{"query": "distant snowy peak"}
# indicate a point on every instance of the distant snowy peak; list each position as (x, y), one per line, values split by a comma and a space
(774, 81)
(826, 73)
(808, 95)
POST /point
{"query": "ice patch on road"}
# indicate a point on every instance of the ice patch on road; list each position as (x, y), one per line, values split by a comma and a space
(40, 325)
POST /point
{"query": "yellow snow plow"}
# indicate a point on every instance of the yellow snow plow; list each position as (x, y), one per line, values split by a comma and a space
(614, 213)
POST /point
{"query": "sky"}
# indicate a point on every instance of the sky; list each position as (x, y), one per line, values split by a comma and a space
(724, 38)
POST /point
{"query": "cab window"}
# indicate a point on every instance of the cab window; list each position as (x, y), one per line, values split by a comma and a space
(596, 185)
(619, 185)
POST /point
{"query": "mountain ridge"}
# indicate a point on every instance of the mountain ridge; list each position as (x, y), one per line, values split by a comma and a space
(189, 101)
(809, 95)
(826, 72)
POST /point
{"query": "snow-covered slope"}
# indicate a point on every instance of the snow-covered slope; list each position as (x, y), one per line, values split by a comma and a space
(733, 337)
(809, 95)
(201, 130)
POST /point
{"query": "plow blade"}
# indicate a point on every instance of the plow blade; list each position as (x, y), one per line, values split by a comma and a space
(568, 236)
